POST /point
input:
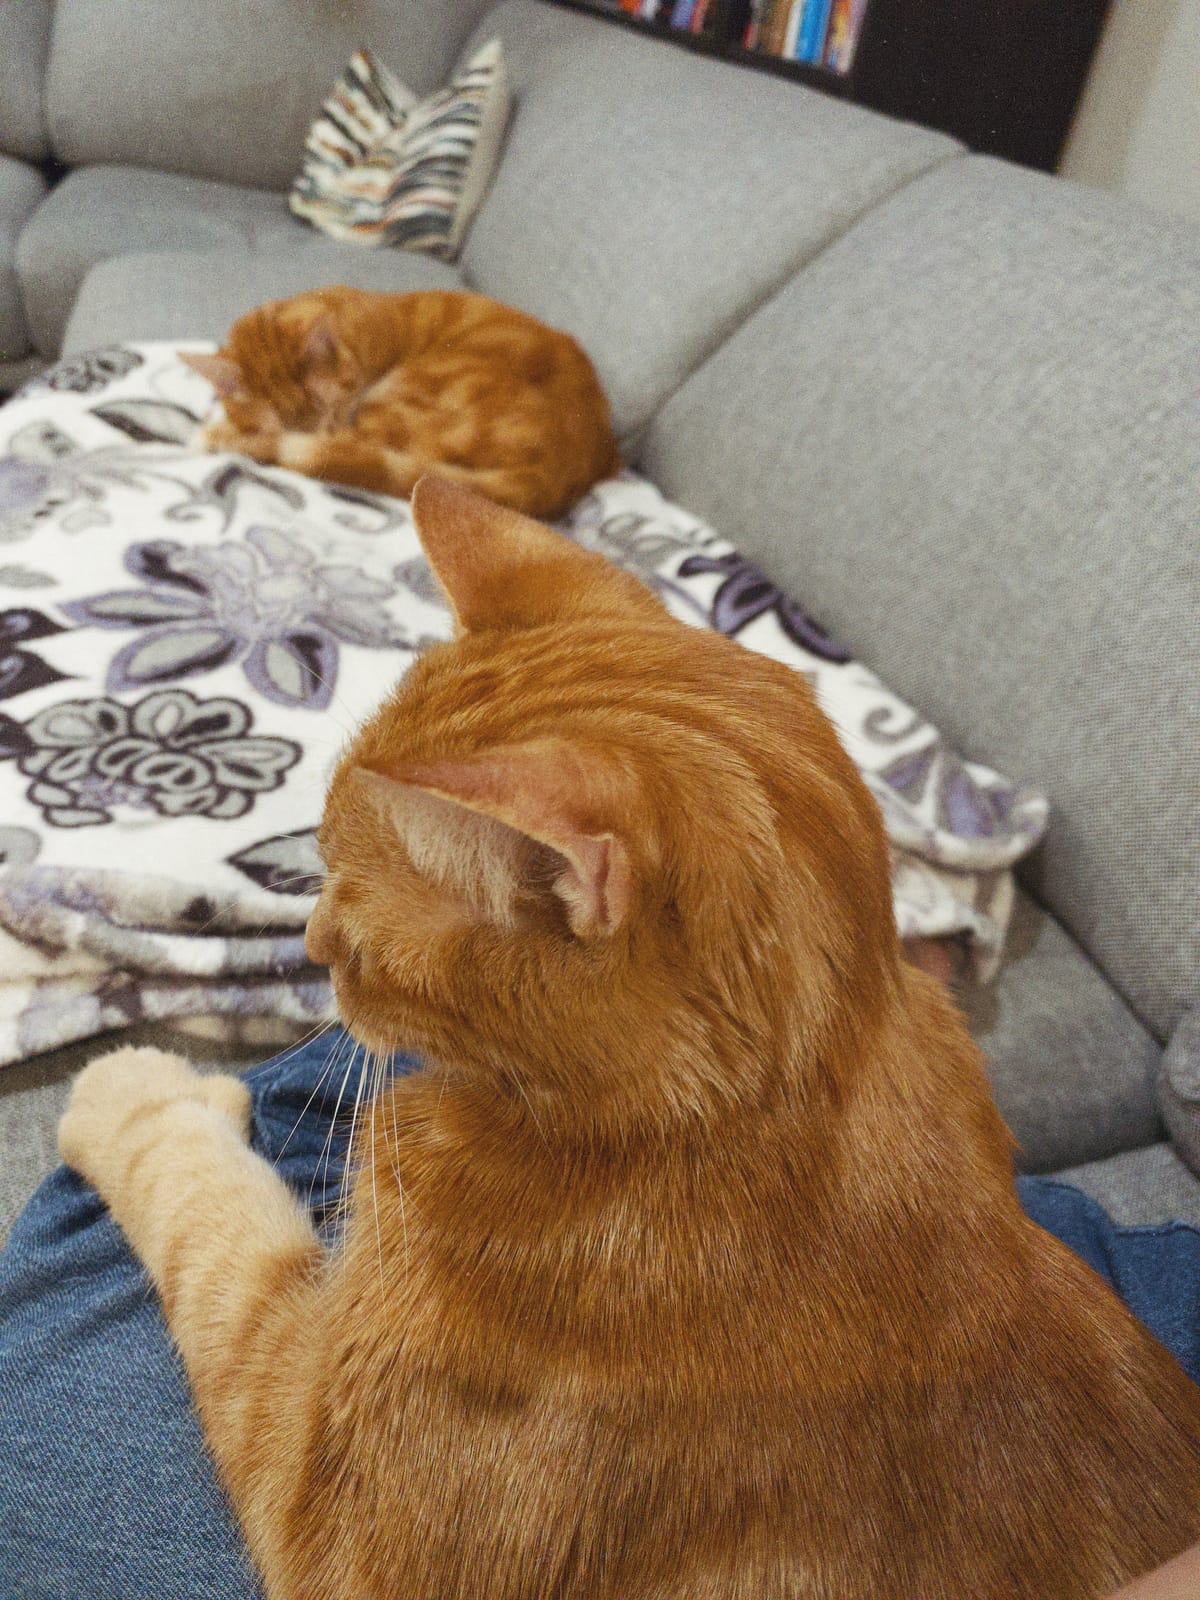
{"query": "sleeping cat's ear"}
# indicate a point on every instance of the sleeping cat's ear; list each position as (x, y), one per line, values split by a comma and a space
(320, 344)
(543, 793)
(500, 569)
(224, 375)
(323, 366)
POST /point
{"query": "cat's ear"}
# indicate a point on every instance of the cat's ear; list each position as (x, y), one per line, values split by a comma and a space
(544, 792)
(324, 378)
(500, 569)
(224, 375)
(320, 344)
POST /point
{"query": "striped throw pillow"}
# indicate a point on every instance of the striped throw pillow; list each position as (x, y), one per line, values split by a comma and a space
(382, 167)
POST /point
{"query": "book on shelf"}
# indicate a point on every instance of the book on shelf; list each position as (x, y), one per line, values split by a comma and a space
(791, 37)
(845, 25)
(811, 45)
(754, 24)
(817, 33)
(774, 29)
(737, 20)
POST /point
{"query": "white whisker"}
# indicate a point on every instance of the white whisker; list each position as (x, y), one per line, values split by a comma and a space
(313, 1033)
(321, 1077)
(327, 1145)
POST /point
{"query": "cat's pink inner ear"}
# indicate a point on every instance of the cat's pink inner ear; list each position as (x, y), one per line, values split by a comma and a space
(535, 790)
(597, 886)
(224, 375)
(320, 344)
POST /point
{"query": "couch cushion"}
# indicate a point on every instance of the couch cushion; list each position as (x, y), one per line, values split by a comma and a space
(226, 89)
(100, 212)
(174, 295)
(967, 437)
(21, 187)
(24, 46)
(1141, 1187)
(648, 198)
(1072, 1069)
(1179, 1089)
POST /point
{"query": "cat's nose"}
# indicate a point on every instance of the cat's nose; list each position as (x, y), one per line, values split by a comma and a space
(318, 935)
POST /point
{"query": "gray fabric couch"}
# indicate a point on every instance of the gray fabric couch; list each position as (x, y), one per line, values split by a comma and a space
(951, 404)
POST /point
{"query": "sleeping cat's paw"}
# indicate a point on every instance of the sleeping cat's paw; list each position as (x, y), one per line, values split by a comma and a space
(220, 435)
(125, 1089)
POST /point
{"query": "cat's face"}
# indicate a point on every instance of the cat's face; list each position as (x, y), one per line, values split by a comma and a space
(582, 831)
(281, 369)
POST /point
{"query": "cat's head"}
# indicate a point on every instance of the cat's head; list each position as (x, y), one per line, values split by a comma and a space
(620, 864)
(281, 367)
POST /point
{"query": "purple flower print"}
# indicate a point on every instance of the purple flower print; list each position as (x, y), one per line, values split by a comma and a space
(170, 752)
(747, 593)
(24, 669)
(265, 601)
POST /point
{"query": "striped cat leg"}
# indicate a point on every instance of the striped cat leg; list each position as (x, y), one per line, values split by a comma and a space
(231, 1253)
(346, 457)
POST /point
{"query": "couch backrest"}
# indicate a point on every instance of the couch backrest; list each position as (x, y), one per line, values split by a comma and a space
(648, 198)
(968, 436)
(24, 45)
(226, 88)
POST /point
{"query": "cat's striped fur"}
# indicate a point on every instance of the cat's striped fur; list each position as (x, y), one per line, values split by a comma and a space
(375, 389)
(691, 1268)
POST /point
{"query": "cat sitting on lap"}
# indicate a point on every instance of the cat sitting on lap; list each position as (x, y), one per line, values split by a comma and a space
(375, 389)
(690, 1266)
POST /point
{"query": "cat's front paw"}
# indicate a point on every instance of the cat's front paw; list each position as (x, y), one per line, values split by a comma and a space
(117, 1092)
(219, 435)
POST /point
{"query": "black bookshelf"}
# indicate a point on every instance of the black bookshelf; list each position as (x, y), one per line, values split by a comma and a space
(1004, 76)
(707, 44)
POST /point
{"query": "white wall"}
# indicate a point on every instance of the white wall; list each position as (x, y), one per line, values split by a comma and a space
(1137, 130)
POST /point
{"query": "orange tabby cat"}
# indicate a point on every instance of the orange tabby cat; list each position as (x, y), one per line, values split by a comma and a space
(374, 389)
(691, 1267)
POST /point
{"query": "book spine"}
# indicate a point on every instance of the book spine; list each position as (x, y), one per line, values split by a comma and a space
(716, 18)
(812, 33)
(858, 12)
(839, 19)
(792, 37)
(735, 24)
(775, 27)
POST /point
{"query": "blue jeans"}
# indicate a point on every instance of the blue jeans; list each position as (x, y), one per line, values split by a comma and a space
(105, 1486)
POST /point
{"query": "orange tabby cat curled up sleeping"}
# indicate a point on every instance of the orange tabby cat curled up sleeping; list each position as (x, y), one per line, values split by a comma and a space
(374, 389)
(691, 1267)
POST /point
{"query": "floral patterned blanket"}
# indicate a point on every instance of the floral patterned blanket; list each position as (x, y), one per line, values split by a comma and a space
(187, 640)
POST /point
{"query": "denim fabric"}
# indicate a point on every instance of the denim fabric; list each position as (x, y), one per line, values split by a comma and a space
(106, 1491)
(1156, 1271)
